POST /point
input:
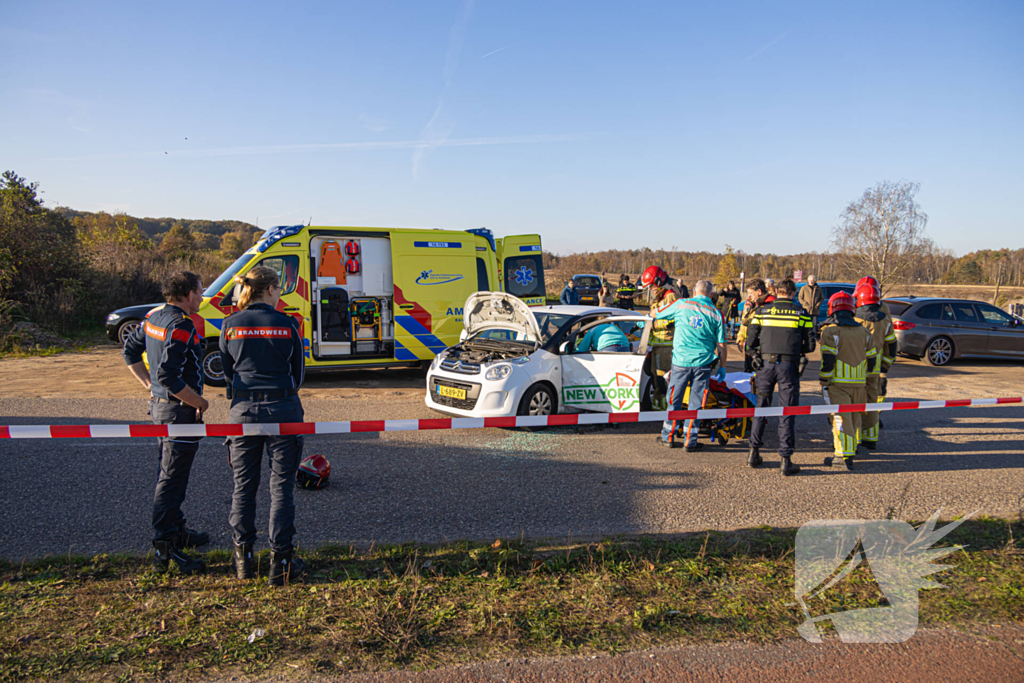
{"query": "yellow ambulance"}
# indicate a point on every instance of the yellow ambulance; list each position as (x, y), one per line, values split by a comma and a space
(375, 297)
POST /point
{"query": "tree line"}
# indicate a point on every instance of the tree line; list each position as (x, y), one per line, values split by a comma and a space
(66, 269)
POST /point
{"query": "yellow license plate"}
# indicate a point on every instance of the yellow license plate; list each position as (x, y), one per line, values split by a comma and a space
(451, 392)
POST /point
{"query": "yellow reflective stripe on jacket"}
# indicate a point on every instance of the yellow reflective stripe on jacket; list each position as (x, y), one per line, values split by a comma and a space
(850, 374)
(829, 349)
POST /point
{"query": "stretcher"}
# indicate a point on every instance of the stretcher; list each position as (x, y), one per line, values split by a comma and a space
(735, 392)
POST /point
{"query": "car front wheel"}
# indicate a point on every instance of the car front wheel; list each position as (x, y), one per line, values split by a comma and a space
(939, 352)
(539, 400)
(213, 367)
(125, 329)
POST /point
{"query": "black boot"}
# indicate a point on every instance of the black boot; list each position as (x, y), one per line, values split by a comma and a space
(285, 568)
(190, 538)
(165, 551)
(244, 567)
(870, 445)
(754, 459)
(788, 467)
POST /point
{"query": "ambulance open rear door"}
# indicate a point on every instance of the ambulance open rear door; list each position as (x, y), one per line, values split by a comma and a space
(522, 268)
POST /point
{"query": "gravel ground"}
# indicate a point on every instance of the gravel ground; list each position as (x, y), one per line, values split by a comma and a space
(91, 496)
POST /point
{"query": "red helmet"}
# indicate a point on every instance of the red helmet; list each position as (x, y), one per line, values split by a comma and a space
(866, 293)
(654, 276)
(352, 248)
(840, 301)
(352, 265)
(868, 280)
(314, 472)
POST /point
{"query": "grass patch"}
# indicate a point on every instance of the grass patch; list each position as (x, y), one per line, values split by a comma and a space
(111, 618)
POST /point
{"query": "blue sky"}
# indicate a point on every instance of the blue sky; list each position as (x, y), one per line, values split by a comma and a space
(597, 124)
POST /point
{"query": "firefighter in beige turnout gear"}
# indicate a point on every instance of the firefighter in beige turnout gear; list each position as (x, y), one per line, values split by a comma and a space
(663, 294)
(848, 354)
(871, 314)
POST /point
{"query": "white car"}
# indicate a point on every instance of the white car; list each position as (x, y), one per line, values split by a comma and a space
(517, 360)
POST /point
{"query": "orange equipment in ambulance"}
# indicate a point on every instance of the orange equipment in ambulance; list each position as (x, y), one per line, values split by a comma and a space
(331, 262)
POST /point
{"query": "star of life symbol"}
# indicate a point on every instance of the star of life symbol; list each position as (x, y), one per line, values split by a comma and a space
(524, 275)
(898, 558)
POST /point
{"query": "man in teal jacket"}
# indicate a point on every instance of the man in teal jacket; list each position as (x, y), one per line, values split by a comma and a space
(697, 345)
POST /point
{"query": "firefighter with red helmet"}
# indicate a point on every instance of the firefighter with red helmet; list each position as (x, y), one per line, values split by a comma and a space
(869, 313)
(848, 355)
(662, 295)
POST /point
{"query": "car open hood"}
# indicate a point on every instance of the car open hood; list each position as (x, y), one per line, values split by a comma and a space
(489, 310)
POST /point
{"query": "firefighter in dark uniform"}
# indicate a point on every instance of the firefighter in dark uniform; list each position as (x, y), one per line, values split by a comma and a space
(778, 339)
(175, 380)
(264, 365)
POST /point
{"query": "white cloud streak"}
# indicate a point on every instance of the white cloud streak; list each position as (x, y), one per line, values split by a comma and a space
(494, 52)
(439, 127)
(765, 48)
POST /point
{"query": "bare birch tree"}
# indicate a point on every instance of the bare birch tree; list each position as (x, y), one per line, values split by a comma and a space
(883, 232)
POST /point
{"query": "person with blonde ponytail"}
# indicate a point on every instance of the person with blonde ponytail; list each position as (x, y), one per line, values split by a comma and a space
(264, 365)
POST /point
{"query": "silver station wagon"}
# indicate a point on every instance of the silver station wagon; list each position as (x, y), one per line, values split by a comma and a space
(939, 330)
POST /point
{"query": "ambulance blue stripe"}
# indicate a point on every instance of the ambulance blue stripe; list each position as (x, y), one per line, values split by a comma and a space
(438, 245)
(532, 247)
(402, 353)
(413, 327)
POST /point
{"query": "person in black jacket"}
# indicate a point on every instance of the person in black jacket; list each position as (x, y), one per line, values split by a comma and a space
(169, 339)
(779, 336)
(264, 365)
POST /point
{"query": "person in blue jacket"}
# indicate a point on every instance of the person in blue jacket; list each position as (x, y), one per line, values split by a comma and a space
(570, 297)
(604, 338)
(264, 365)
(698, 344)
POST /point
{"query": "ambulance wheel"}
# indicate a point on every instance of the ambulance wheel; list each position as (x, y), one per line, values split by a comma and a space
(213, 369)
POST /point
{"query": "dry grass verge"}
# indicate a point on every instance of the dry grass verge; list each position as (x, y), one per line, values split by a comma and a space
(111, 618)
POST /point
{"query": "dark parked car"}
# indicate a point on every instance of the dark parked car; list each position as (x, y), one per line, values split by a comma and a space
(828, 289)
(587, 286)
(939, 330)
(121, 322)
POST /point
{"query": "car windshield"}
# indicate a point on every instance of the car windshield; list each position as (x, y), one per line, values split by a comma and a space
(225, 277)
(549, 324)
(585, 281)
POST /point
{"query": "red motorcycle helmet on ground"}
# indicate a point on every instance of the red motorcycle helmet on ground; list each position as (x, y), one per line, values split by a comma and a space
(866, 290)
(314, 472)
(841, 301)
(655, 276)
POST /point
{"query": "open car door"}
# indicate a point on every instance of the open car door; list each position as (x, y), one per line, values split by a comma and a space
(605, 381)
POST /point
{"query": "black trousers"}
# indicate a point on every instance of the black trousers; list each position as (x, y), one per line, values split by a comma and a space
(246, 456)
(786, 375)
(176, 457)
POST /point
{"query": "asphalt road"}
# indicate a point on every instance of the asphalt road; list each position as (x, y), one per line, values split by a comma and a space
(990, 654)
(91, 496)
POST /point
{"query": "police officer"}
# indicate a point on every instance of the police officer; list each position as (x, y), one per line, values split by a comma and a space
(870, 315)
(175, 381)
(264, 366)
(780, 333)
(625, 293)
(757, 295)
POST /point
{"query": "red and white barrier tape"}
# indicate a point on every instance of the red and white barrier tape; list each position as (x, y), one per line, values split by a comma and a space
(292, 428)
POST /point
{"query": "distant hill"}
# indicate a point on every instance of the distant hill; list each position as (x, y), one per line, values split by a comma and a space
(156, 227)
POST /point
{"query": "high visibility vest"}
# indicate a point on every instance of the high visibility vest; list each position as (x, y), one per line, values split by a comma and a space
(352, 248)
(352, 266)
(331, 263)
